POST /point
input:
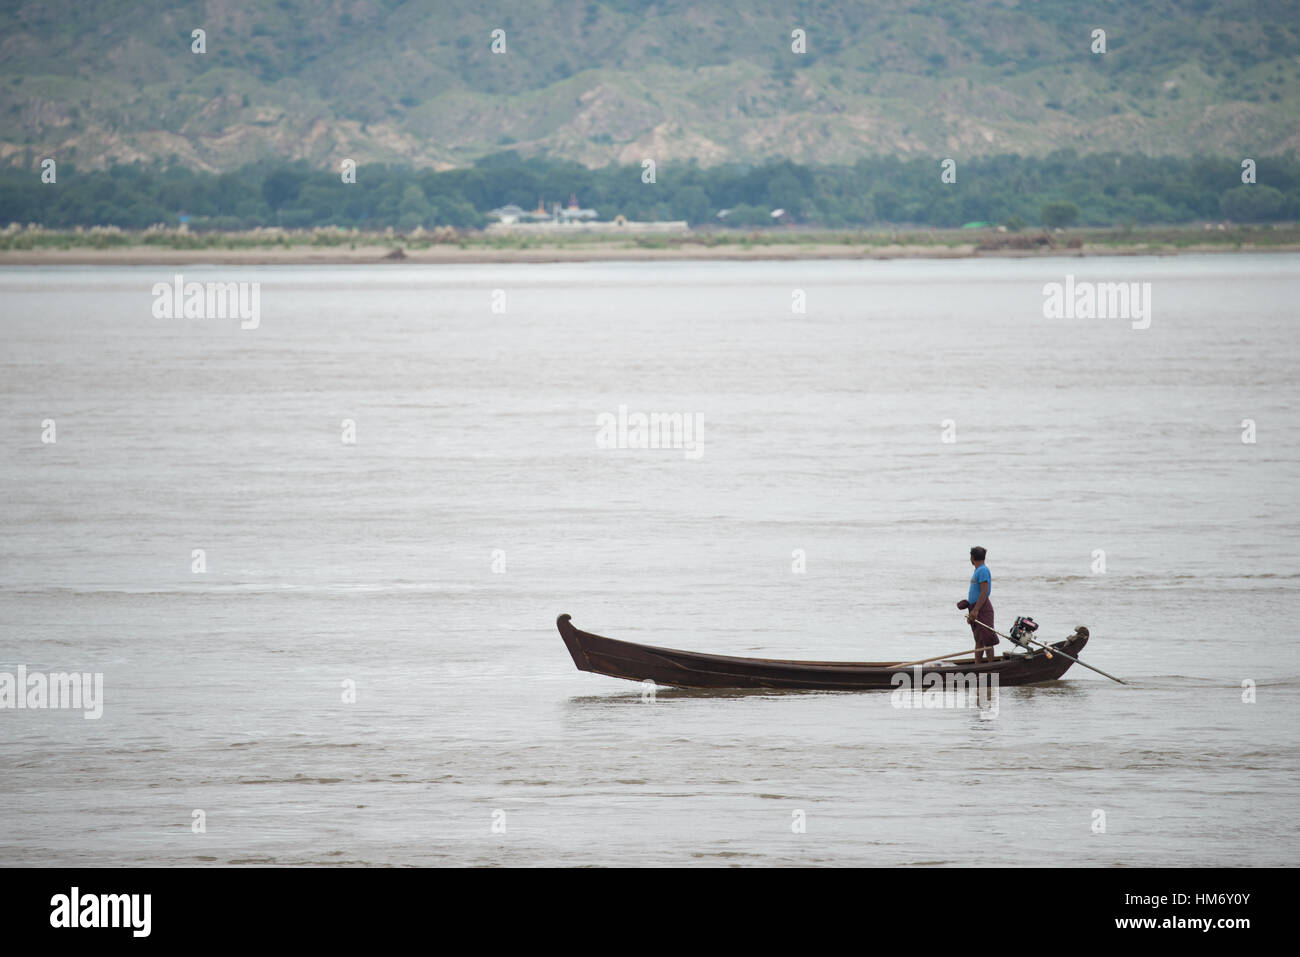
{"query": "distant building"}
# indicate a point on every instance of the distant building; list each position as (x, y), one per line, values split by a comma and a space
(574, 213)
(572, 217)
(508, 214)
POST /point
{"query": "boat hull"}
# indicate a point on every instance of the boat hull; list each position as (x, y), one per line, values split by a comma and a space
(689, 669)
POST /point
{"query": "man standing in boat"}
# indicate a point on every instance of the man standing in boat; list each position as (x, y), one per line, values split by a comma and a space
(980, 609)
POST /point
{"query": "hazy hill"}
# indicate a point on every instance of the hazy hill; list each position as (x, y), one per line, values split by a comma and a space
(415, 81)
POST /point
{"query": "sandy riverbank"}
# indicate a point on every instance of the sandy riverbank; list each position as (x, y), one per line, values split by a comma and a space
(592, 252)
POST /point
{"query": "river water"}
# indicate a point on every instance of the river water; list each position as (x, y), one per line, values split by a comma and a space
(201, 532)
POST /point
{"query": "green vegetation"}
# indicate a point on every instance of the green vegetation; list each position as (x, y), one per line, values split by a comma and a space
(415, 81)
(1060, 190)
(1059, 215)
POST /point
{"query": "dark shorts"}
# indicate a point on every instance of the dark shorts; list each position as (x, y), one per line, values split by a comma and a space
(983, 637)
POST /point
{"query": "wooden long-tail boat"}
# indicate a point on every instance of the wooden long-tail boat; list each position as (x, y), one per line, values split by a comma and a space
(691, 669)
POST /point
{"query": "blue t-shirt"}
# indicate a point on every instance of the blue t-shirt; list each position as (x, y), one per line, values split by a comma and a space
(981, 575)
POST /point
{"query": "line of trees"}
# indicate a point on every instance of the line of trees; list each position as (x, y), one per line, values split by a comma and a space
(1065, 188)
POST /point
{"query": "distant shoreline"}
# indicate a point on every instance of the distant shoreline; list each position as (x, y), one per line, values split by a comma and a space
(179, 249)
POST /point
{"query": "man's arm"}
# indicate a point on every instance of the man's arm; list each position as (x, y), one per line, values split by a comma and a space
(975, 608)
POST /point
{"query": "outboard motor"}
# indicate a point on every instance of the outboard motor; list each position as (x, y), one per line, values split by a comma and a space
(1023, 629)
